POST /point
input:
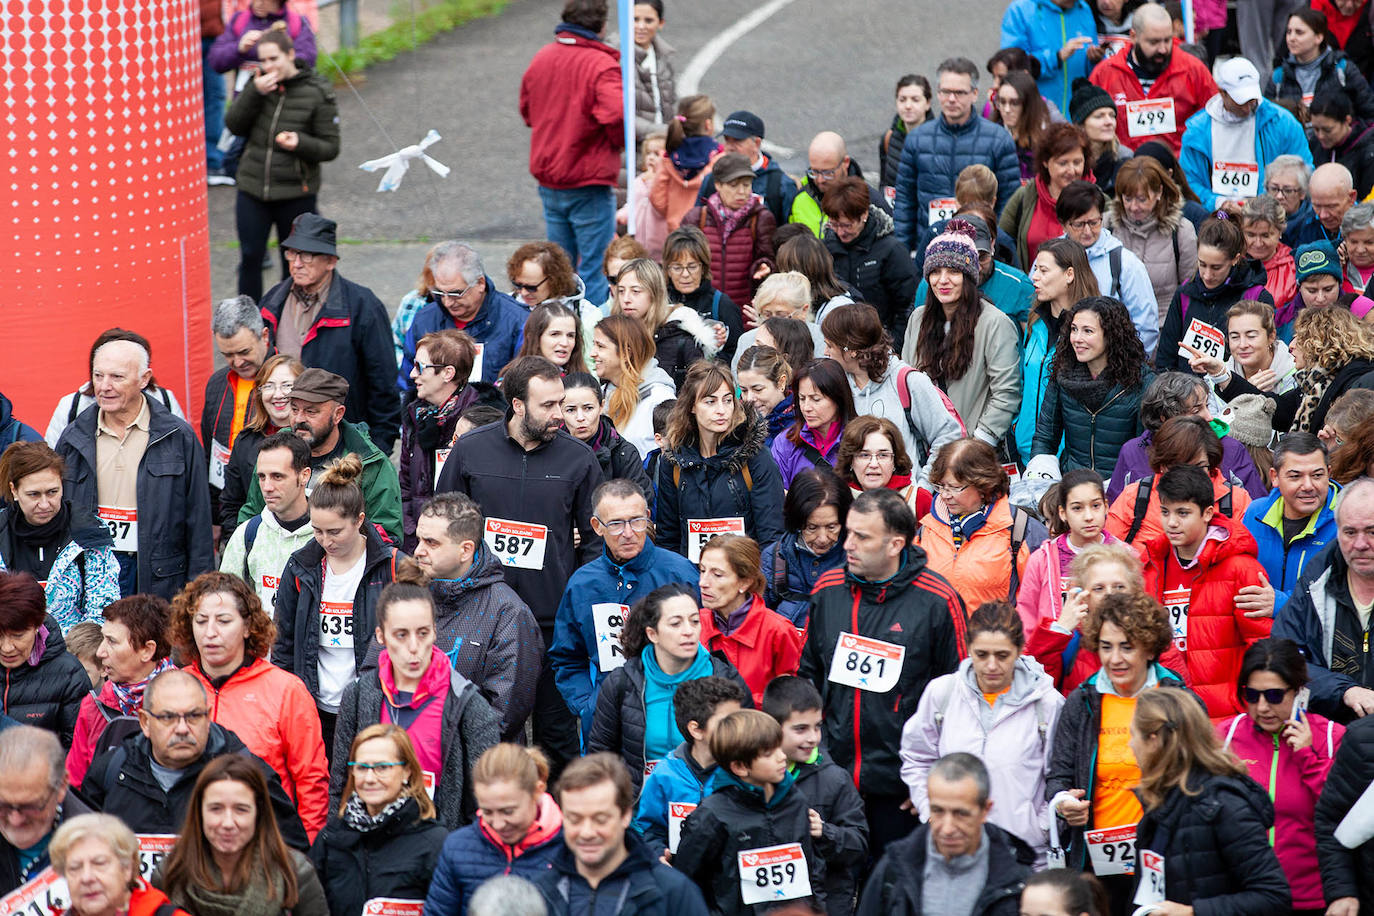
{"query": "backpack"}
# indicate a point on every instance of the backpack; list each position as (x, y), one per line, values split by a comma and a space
(76, 403)
(1340, 74)
(118, 726)
(904, 397)
(1020, 520)
(942, 712)
(10, 434)
(715, 305)
(1142, 504)
(1114, 265)
(250, 536)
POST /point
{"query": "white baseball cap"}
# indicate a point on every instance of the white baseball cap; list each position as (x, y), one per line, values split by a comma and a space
(1239, 79)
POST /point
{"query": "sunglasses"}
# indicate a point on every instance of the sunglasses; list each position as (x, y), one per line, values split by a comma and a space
(1273, 695)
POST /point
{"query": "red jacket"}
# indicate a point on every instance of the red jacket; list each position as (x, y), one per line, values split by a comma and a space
(734, 260)
(763, 647)
(570, 95)
(90, 725)
(1218, 631)
(1185, 79)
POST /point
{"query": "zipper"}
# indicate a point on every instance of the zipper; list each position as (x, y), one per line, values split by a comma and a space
(1273, 782)
(271, 133)
(858, 749)
(1092, 429)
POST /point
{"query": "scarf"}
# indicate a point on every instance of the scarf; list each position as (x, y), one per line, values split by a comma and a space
(130, 696)
(257, 899)
(1044, 225)
(355, 813)
(781, 417)
(430, 419)
(1079, 384)
(1313, 382)
(731, 219)
(961, 527)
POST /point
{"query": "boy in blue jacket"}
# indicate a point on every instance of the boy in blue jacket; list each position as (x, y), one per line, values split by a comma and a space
(838, 825)
(676, 786)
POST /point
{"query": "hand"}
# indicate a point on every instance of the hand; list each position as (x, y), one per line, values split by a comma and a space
(1096, 53)
(666, 858)
(751, 315)
(1076, 811)
(1344, 906)
(1169, 908)
(1257, 600)
(288, 139)
(1360, 699)
(1074, 45)
(1343, 254)
(1265, 380)
(265, 82)
(909, 807)
(249, 40)
(1233, 207)
(1075, 609)
(763, 271)
(1201, 363)
(1298, 733)
(816, 823)
(722, 334)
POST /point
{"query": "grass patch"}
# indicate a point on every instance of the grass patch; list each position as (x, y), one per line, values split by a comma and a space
(405, 35)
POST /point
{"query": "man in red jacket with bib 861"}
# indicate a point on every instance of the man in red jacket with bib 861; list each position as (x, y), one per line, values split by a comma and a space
(1204, 570)
(570, 96)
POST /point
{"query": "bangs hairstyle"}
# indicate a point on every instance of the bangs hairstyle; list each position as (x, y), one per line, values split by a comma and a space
(1180, 439)
(1143, 619)
(856, 433)
(813, 489)
(634, 348)
(1060, 139)
(742, 737)
(787, 694)
(742, 556)
(23, 606)
(1187, 742)
(1125, 354)
(651, 277)
(24, 458)
(858, 329)
(552, 260)
(543, 315)
(1141, 177)
(112, 831)
(704, 379)
(257, 420)
(260, 630)
(1035, 114)
(414, 786)
(974, 463)
(830, 381)
(688, 243)
(451, 347)
(145, 616)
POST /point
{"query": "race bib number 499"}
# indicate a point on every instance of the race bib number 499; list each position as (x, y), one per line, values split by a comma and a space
(773, 873)
(1150, 118)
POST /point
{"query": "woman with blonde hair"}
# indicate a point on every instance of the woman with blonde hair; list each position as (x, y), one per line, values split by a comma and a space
(1146, 214)
(1203, 841)
(383, 841)
(681, 336)
(632, 380)
(269, 410)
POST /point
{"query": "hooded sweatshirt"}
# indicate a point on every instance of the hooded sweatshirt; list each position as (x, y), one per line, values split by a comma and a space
(1196, 302)
(655, 387)
(1136, 290)
(420, 711)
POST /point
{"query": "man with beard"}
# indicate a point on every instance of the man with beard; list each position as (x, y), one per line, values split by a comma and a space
(1155, 89)
(317, 411)
(534, 483)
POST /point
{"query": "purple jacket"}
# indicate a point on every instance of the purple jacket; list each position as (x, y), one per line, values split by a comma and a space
(224, 53)
(1133, 463)
(792, 459)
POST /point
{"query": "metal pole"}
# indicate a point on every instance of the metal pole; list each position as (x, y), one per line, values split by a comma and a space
(627, 82)
(348, 23)
(1189, 34)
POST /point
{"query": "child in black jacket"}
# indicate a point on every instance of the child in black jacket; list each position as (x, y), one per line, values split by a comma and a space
(748, 844)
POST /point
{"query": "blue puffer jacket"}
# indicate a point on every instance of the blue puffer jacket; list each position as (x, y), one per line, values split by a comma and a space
(932, 158)
(472, 854)
(1284, 563)
(1276, 132)
(789, 590)
(1091, 439)
(499, 326)
(1041, 28)
(574, 654)
(676, 779)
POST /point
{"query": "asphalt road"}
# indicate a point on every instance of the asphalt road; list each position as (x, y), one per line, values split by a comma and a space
(814, 65)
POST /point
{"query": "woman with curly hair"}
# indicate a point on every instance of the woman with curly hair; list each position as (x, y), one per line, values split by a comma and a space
(540, 271)
(220, 629)
(1333, 352)
(1092, 769)
(1093, 398)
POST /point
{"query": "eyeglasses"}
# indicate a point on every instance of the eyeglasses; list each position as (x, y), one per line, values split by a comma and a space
(826, 174)
(527, 287)
(874, 457)
(442, 295)
(954, 93)
(271, 388)
(1273, 695)
(421, 368)
(847, 225)
(1081, 224)
(194, 717)
(380, 768)
(1282, 190)
(305, 257)
(684, 270)
(617, 527)
(949, 492)
(28, 809)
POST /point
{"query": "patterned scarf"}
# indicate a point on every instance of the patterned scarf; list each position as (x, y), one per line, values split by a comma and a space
(355, 813)
(731, 219)
(961, 527)
(1313, 382)
(130, 696)
(431, 419)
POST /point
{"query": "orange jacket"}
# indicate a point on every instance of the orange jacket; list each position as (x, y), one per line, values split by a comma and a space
(671, 194)
(275, 716)
(1122, 512)
(763, 647)
(981, 569)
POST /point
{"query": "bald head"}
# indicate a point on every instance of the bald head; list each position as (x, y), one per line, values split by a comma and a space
(1332, 191)
(178, 677)
(119, 373)
(828, 159)
(1332, 176)
(1148, 15)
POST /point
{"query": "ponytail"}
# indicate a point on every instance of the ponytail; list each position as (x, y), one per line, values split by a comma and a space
(692, 114)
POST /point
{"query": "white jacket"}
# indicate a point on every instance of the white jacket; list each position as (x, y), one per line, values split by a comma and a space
(656, 387)
(1012, 738)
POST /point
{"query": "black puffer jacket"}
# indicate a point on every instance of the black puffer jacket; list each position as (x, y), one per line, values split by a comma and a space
(618, 725)
(238, 475)
(1356, 154)
(895, 887)
(1337, 74)
(620, 459)
(48, 695)
(681, 341)
(304, 104)
(1215, 844)
(1209, 306)
(1092, 438)
(878, 265)
(396, 859)
(1346, 872)
(693, 487)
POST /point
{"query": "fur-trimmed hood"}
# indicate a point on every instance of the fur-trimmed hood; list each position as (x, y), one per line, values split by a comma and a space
(1117, 223)
(743, 442)
(691, 322)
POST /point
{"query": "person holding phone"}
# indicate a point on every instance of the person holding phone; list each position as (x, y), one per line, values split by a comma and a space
(1288, 751)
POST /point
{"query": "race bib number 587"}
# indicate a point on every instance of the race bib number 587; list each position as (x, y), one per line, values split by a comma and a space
(517, 544)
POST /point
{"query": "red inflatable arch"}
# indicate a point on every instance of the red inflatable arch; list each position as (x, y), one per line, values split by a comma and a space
(103, 207)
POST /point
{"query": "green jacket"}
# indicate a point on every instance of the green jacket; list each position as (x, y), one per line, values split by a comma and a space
(306, 106)
(381, 486)
(1016, 218)
(806, 208)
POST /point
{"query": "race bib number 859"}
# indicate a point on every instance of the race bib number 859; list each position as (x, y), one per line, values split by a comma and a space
(773, 873)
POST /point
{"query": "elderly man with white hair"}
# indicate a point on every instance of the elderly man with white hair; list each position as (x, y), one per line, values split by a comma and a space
(242, 338)
(142, 471)
(37, 798)
(1332, 192)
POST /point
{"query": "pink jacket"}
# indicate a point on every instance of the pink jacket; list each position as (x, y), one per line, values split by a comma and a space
(1294, 780)
(1209, 14)
(1041, 593)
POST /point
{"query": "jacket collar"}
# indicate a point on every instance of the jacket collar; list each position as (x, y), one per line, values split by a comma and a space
(1273, 515)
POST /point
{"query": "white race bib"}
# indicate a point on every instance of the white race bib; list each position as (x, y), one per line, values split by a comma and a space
(609, 619)
(219, 459)
(677, 813)
(942, 208)
(476, 374)
(701, 530)
(1151, 889)
(440, 458)
(1235, 179)
(152, 849)
(336, 624)
(1112, 850)
(867, 664)
(268, 592)
(1206, 339)
(46, 893)
(431, 781)
(773, 873)
(517, 544)
(1150, 118)
(123, 525)
(1176, 601)
(393, 906)
(1012, 471)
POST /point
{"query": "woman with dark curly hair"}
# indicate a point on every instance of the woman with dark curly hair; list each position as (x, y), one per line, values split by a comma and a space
(1092, 770)
(222, 632)
(1093, 398)
(872, 457)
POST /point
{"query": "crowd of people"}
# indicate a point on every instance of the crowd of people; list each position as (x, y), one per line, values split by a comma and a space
(993, 538)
